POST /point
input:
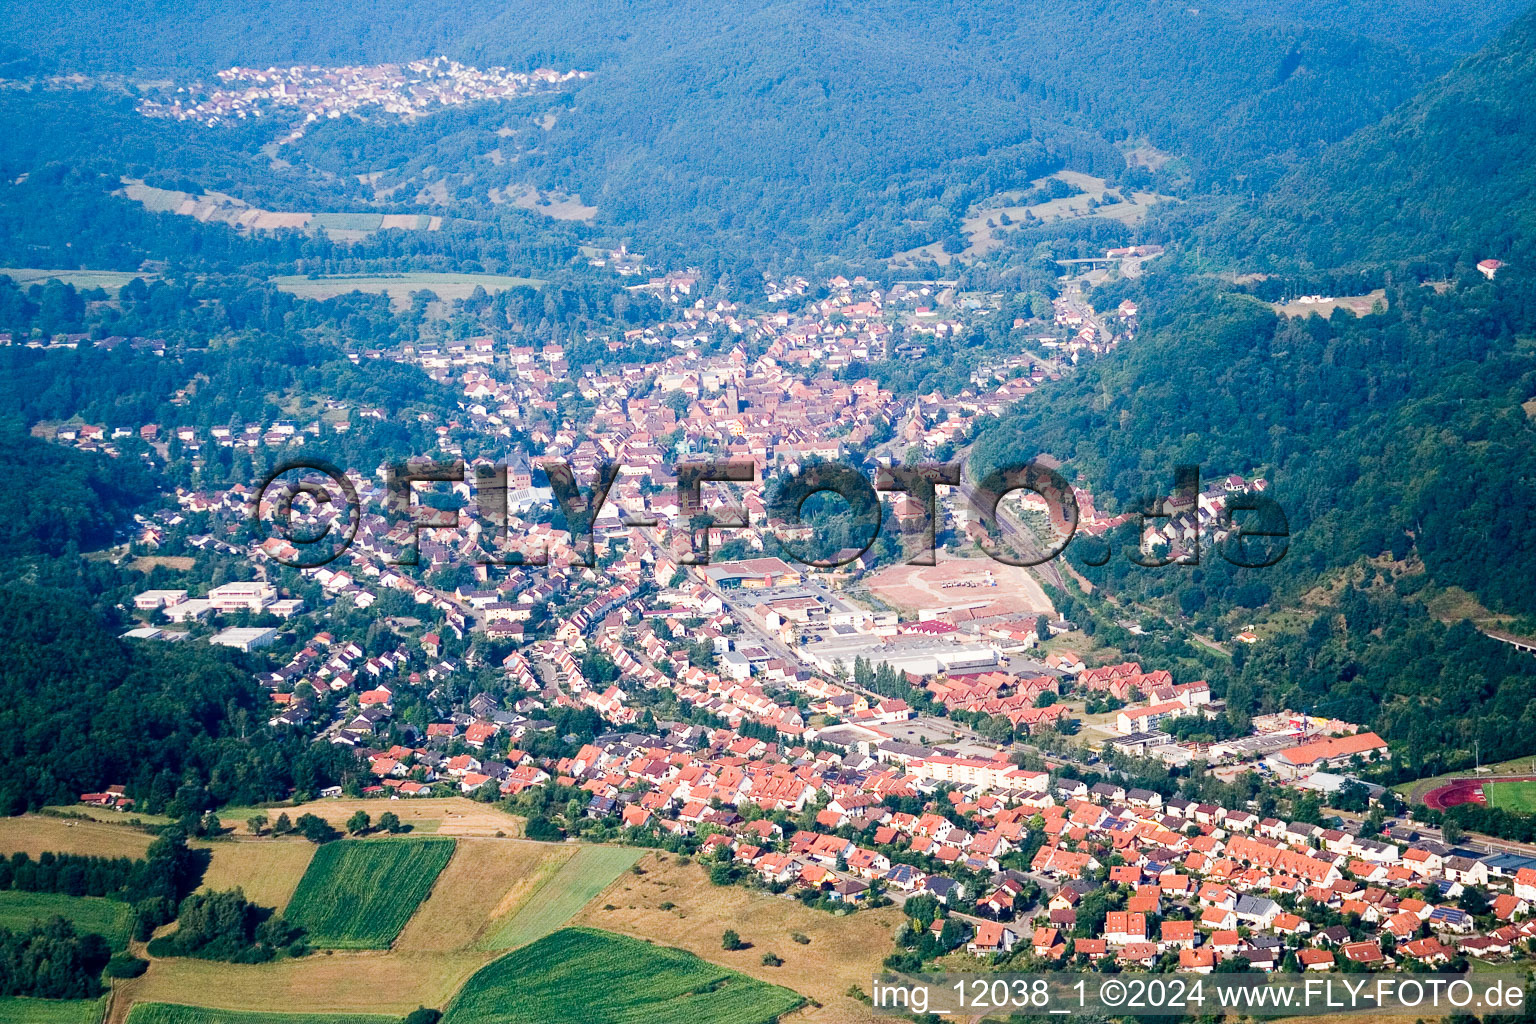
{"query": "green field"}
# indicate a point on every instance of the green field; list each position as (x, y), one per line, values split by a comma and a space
(170, 1013)
(359, 893)
(400, 286)
(347, 221)
(108, 279)
(560, 896)
(1515, 797)
(19, 1010)
(583, 976)
(88, 913)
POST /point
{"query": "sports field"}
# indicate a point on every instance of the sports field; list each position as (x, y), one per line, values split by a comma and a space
(20, 1010)
(170, 1013)
(1515, 797)
(582, 976)
(557, 898)
(359, 893)
(108, 918)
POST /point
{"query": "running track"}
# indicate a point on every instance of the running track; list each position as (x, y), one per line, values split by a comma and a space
(1466, 791)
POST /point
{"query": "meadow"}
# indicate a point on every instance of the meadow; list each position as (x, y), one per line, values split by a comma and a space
(400, 286)
(20, 1010)
(108, 918)
(582, 976)
(359, 893)
(36, 834)
(445, 815)
(560, 895)
(108, 279)
(673, 904)
(486, 884)
(268, 870)
(171, 1013)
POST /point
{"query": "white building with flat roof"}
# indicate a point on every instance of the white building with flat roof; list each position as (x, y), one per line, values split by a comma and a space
(152, 599)
(238, 597)
(245, 638)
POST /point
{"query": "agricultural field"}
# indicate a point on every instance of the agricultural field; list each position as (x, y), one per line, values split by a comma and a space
(558, 896)
(1515, 797)
(20, 1010)
(581, 976)
(370, 982)
(222, 208)
(400, 286)
(675, 905)
(110, 919)
(486, 884)
(268, 870)
(359, 893)
(1130, 208)
(170, 1013)
(448, 815)
(111, 280)
(35, 834)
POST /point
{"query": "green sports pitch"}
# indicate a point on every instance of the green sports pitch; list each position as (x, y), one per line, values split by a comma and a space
(1515, 797)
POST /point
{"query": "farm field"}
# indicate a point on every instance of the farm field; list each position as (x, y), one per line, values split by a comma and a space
(843, 951)
(448, 815)
(37, 833)
(1515, 797)
(978, 235)
(581, 976)
(108, 279)
(170, 1013)
(558, 896)
(219, 207)
(359, 893)
(268, 870)
(400, 286)
(20, 1010)
(392, 983)
(108, 918)
(487, 882)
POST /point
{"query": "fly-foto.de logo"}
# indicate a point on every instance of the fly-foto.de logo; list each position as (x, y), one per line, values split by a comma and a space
(1248, 530)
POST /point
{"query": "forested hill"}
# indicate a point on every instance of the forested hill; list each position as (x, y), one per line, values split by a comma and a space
(1400, 432)
(823, 126)
(1448, 177)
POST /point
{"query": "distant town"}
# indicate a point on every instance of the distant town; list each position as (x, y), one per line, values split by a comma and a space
(306, 93)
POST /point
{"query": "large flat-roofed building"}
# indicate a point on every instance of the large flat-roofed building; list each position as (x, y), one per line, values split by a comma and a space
(753, 574)
(1327, 753)
(150, 600)
(974, 771)
(245, 638)
(919, 655)
(242, 597)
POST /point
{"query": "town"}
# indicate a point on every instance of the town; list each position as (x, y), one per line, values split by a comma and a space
(311, 94)
(850, 736)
